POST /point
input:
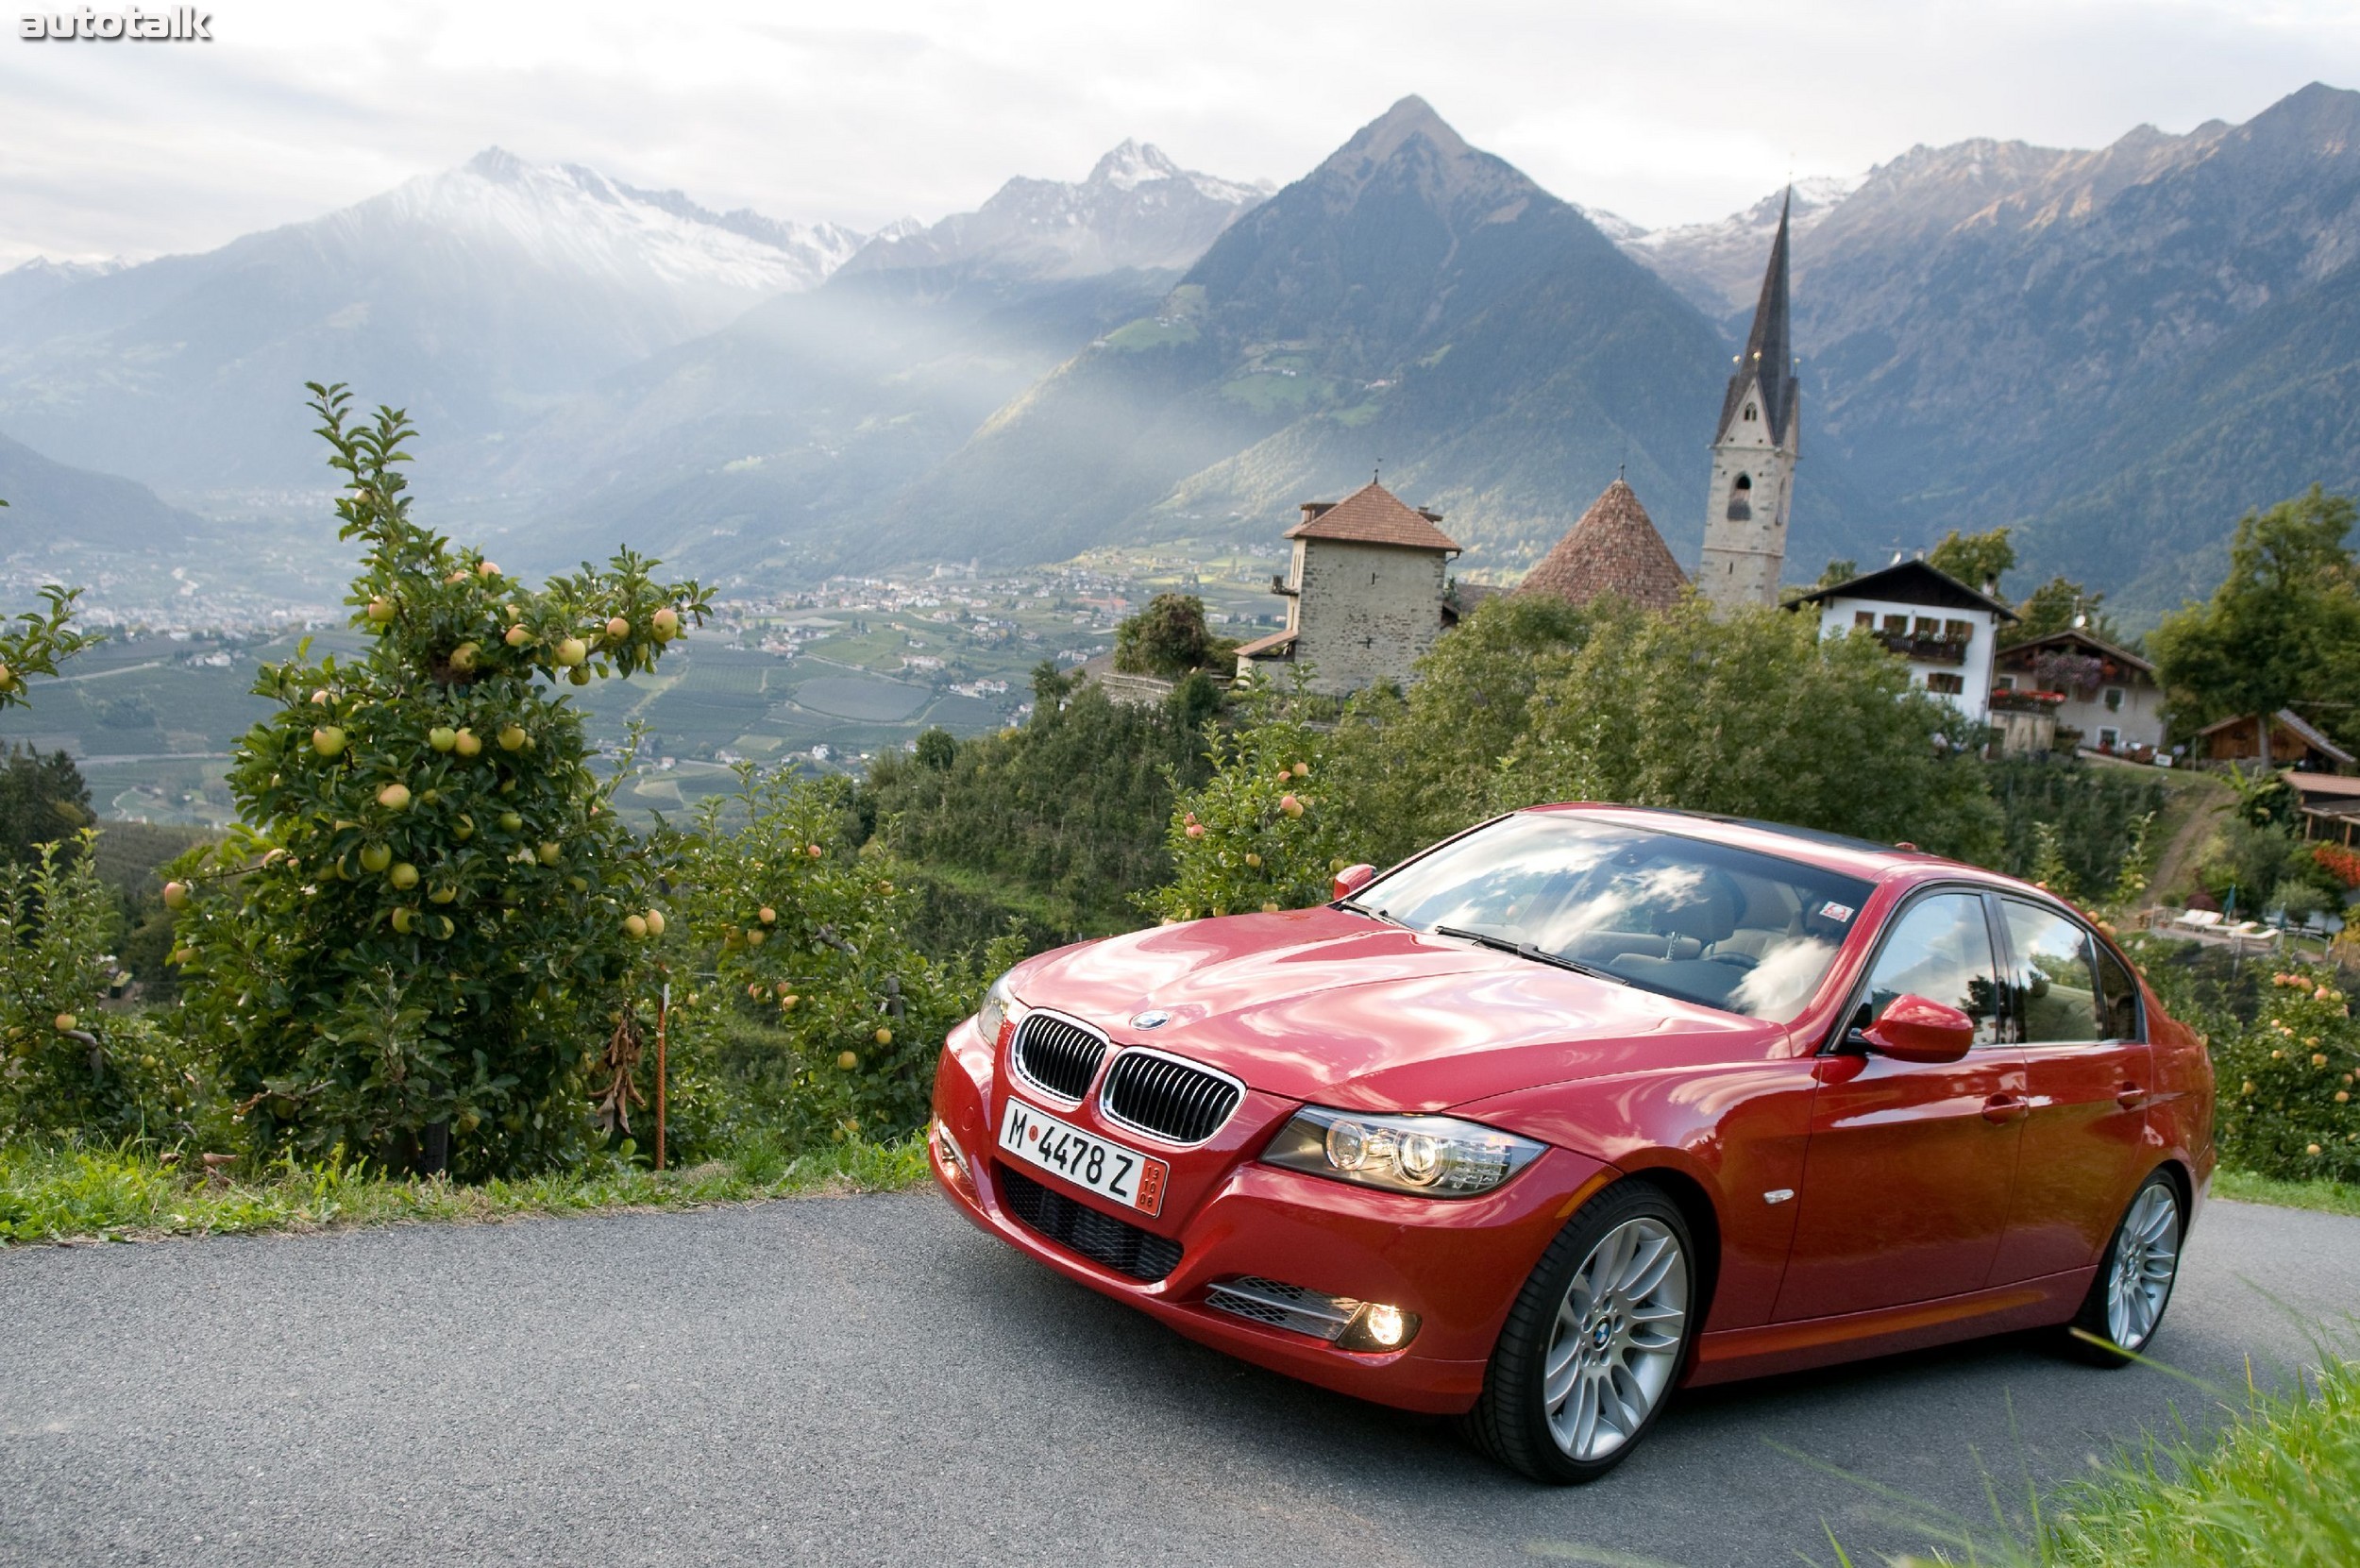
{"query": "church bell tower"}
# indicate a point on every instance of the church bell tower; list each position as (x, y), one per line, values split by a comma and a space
(1754, 454)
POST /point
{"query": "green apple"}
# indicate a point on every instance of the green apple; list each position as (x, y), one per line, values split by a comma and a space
(442, 737)
(327, 740)
(376, 857)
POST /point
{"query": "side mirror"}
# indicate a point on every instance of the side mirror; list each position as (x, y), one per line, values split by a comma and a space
(1913, 1029)
(1353, 878)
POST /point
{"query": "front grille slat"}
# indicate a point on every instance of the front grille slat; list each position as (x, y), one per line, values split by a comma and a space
(1103, 1240)
(1165, 1097)
(1056, 1055)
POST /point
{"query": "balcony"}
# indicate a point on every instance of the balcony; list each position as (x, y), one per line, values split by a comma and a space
(1925, 650)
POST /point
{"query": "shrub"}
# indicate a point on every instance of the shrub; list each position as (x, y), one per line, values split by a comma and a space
(1752, 715)
(820, 1018)
(2339, 862)
(2287, 1106)
(1253, 835)
(68, 1066)
(429, 924)
(1168, 638)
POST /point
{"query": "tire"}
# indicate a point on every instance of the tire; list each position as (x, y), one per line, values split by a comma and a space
(2126, 1301)
(1614, 1304)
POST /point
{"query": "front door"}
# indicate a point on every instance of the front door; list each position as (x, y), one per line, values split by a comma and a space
(2075, 1011)
(1906, 1176)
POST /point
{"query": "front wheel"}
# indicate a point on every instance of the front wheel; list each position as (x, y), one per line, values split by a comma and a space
(2134, 1284)
(1594, 1342)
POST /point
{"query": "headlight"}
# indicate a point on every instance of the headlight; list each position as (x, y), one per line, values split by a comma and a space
(1438, 1156)
(999, 1009)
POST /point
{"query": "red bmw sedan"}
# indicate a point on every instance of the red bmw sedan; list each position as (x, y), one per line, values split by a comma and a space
(1586, 1104)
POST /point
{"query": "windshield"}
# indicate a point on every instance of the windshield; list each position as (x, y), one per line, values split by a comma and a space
(1746, 933)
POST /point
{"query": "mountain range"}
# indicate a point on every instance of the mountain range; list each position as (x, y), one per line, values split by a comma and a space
(2112, 351)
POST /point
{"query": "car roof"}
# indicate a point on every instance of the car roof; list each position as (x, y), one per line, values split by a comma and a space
(1829, 852)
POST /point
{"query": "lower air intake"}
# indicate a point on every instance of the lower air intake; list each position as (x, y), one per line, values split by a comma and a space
(1103, 1238)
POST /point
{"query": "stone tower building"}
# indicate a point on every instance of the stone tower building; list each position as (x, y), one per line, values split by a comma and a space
(1365, 593)
(1754, 454)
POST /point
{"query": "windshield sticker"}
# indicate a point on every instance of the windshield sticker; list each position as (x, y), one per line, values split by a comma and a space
(1837, 912)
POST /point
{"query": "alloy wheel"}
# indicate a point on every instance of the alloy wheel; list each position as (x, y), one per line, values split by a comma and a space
(2147, 1257)
(1615, 1346)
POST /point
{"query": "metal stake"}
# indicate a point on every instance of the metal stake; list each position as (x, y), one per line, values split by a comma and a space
(662, 1006)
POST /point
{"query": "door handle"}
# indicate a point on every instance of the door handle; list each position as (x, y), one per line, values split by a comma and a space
(2132, 1097)
(2003, 1109)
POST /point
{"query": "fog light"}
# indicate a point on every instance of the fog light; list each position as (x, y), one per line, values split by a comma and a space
(1378, 1326)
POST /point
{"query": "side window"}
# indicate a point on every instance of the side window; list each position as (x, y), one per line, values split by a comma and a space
(2120, 995)
(2053, 988)
(1940, 949)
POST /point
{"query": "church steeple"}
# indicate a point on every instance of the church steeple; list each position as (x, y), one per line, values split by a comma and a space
(1755, 451)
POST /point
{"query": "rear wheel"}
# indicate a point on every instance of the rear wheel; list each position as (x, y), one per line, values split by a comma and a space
(1594, 1342)
(2134, 1284)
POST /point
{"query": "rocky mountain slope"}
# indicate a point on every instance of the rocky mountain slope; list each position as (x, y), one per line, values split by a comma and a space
(2116, 351)
(1411, 301)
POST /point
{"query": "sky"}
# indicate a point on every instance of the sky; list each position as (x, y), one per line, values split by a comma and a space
(1666, 112)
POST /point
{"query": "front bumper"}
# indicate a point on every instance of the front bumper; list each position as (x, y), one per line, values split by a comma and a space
(1458, 1264)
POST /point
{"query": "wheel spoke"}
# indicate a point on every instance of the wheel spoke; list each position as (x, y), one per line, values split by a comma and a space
(1632, 1290)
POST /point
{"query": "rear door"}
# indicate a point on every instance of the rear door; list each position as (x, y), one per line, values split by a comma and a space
(1907, 1173)
(2074, 1011)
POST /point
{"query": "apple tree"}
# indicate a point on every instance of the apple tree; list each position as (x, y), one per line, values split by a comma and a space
(1254, 836)
(822, 1019)
(430, 920)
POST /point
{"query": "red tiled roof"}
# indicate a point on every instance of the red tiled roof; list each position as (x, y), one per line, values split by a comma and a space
(1372, 516)
(1613, 550)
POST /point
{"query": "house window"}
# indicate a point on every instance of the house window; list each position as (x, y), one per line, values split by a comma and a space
(1958, 631)
(1749, 413)
(2113, 700)
(1897, 625)
(2109, 738)
(1946, 683)
(1864, 620)
(1927, 626)
(2005, 682)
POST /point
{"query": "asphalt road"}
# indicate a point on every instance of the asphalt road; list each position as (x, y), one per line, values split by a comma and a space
(868, 1380)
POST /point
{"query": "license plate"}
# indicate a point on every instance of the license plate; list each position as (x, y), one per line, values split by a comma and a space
(1107, 1168)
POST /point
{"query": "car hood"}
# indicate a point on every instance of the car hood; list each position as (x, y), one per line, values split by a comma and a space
(1322, 1004)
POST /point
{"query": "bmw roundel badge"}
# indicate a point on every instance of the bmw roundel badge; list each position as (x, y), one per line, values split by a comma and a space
(1153, 1018)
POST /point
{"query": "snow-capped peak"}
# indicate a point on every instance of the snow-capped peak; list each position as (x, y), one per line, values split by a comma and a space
(1133, 164)
(571, 217)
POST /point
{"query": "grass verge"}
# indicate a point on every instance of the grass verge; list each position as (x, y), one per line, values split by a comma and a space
(2280, 1484)
(2246, 1188)
(72, 1193)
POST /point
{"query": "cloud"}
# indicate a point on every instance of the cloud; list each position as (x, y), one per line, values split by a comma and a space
(1671, 112)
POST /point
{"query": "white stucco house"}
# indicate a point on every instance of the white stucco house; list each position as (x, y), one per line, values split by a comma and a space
(1947, 633)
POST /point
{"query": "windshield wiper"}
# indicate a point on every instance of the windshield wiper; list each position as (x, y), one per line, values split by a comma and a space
(1526, 950)
(1359, 908)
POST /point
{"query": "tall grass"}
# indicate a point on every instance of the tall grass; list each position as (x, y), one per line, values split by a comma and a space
(2280, 1485)
(56, 1193)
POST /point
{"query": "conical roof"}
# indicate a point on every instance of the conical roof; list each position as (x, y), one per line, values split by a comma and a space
(1613, 550)
(1769, 349)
